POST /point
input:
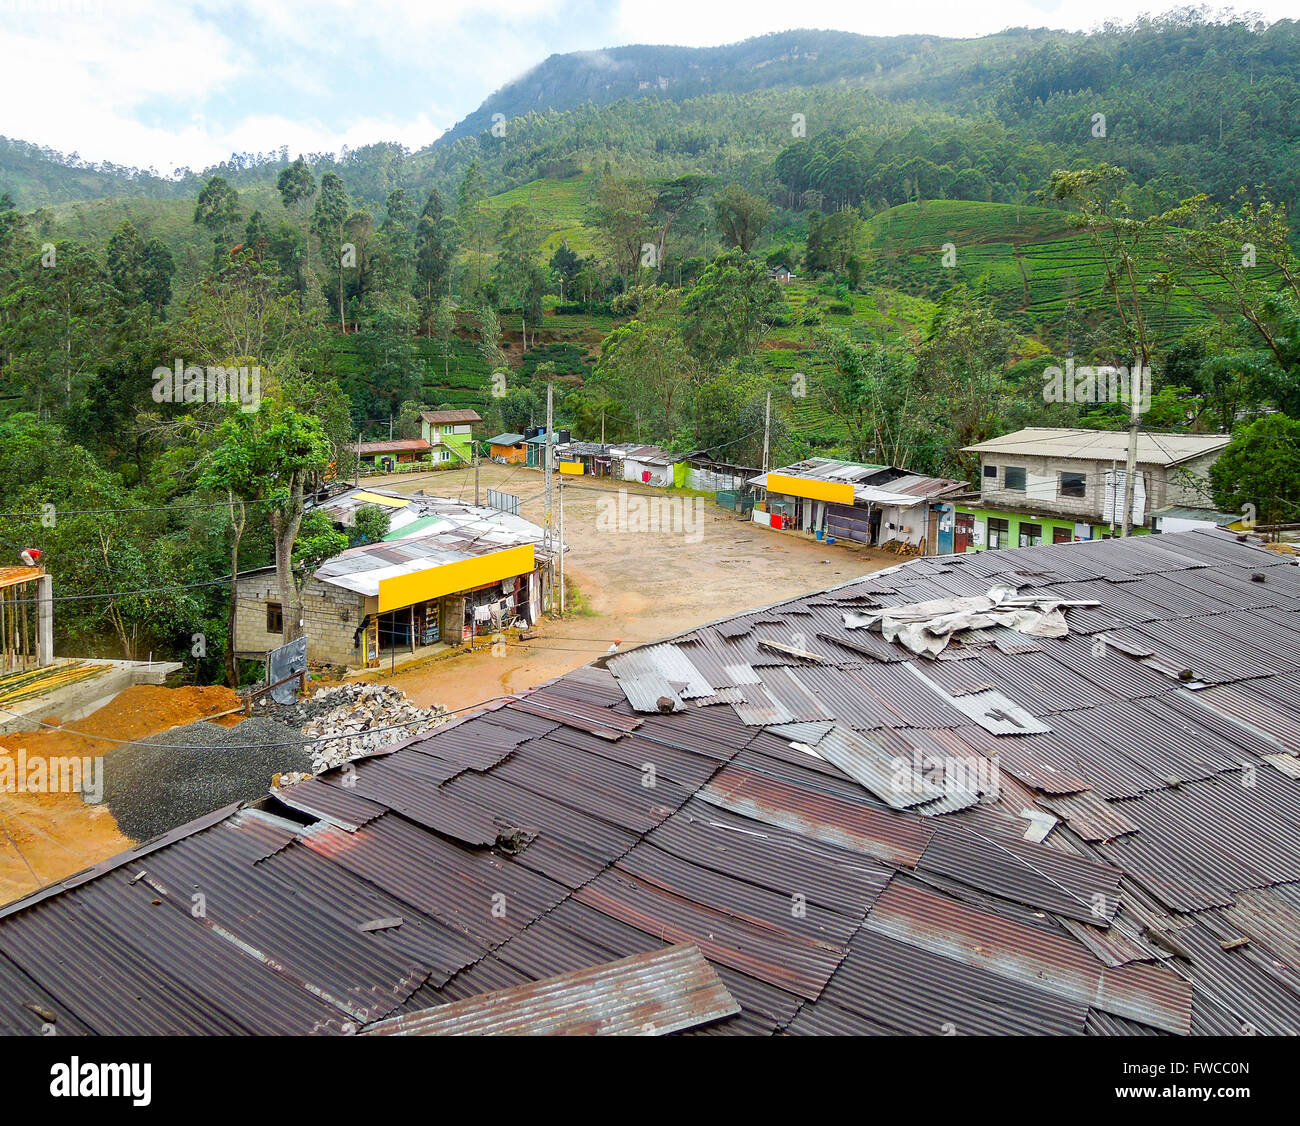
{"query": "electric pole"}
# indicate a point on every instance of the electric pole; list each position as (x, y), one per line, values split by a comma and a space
(473, 455)
(767, 430)
(547, 450)
(1134, 418)
(561, 544)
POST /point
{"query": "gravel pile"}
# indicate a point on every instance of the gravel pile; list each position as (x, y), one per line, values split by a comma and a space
(367, 715)
(164, 781)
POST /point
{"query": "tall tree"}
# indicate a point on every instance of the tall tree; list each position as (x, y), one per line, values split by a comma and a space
(741, 216)
(296, 186)
(624, 204)
(58, 322)
(157, 268)
(474, 227)
(672, 197)
(444, 327)
(730, 309)
(125, 260)
(329, 222)
(962, 362)
(519, 240)
(1260, 468)
(218, 210)
(271, 454)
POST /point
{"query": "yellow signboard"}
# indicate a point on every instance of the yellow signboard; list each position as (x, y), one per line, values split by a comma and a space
(464, 574)
(836, 492)
(574, 467)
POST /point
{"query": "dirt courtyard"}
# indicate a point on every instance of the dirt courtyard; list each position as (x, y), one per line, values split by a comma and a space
(636, 586)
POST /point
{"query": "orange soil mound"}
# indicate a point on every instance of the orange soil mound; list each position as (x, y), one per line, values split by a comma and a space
(45, 837)
(138, 712)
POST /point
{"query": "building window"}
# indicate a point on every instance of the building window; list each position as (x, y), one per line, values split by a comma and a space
(991, 471)
(1073, 484)
(444, 455)
(274, 618)
(999, 532)
(1015, 478)
(1031, 535)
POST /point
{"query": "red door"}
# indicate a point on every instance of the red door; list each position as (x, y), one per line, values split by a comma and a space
(963, 532)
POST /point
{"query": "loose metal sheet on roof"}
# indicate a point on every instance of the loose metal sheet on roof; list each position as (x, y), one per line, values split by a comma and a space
(650, 994)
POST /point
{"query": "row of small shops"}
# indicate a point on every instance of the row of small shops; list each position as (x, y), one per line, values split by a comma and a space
(641, 464)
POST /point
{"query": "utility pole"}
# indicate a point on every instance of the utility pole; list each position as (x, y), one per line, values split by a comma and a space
(473, 456)
(767, 430)
(1134, 417)
(390, 427)
(602, 426)
(547, 450)
(561, 545)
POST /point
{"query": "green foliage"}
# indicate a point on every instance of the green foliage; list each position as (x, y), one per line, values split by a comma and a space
(317, 541)
(1260, 468)
(740, 216)
(370, 524)
(730, 309)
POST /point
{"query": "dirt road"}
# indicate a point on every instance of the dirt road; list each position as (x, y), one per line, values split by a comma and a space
(634, 585)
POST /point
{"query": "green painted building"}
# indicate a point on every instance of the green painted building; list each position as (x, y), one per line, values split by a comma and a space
(450, 434)
(1045, 485)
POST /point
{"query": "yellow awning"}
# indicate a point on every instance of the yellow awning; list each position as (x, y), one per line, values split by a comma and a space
(449, 578)
(836, 492)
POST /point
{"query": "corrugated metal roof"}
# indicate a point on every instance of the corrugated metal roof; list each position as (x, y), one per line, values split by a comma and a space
(1101, 445)
(650, 994)
(576, 825)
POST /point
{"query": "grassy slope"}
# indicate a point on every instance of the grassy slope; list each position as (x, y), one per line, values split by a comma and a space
(1028, 260)
(562, 207)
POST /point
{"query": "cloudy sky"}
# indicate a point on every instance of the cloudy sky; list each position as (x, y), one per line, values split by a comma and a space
(174, 83)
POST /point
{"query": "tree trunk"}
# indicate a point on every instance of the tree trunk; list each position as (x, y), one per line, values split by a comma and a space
(237, 531)
(284, 527)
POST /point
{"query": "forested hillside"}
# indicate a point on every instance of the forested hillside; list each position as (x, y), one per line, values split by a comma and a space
(894, 238)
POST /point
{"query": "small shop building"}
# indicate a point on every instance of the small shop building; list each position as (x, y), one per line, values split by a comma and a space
(508, 449)
(872, 505)
(446, 573)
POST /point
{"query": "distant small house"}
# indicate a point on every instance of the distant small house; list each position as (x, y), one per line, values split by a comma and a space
(594, 456)
(535, 444)
(780, 274)
(1181, 518)
(708, 474)
(450, 433)
(508, 449)
(649, 465)
(384, 456)
(1057, 485)
(868, 504)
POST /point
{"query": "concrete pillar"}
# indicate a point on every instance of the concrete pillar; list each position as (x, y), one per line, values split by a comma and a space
(44, 621)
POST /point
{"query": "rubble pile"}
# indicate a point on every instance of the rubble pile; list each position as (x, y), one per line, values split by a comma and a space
(370, 715)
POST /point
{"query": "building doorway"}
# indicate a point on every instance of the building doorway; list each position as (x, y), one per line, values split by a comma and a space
(965, 532)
